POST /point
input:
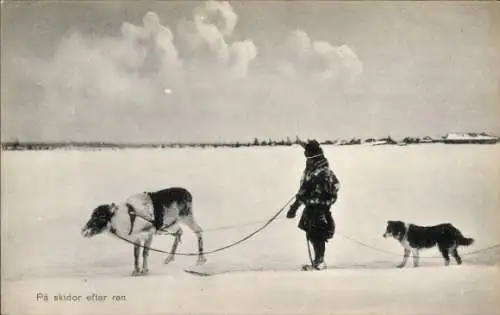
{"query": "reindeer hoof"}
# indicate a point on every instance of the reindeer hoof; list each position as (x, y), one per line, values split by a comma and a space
(201, 261)
(136, 273)
(169, 259)
(145, 271)
(400, 266)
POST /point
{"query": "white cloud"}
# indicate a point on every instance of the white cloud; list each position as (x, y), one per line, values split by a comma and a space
(319, 59)
(88, 74)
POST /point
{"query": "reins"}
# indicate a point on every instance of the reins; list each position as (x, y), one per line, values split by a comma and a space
(269, 221)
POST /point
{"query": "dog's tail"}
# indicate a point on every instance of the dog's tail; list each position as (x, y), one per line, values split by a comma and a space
(465, 241)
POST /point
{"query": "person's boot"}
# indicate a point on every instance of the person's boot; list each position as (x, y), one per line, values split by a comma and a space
(319, 263)
(319, 254)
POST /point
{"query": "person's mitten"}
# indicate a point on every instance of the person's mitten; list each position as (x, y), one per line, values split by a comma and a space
(293, 210)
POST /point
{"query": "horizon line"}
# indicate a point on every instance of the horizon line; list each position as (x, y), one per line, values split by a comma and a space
(241, 141)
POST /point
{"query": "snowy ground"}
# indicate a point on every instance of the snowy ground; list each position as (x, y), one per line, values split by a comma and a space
(47, 197)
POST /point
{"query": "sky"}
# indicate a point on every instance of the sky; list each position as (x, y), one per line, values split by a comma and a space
(222, 71)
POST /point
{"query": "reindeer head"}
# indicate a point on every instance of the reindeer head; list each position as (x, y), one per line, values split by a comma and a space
(99, 220)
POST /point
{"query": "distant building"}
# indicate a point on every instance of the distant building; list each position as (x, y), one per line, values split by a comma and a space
(469, 137)
(384, 141)
(427, 139)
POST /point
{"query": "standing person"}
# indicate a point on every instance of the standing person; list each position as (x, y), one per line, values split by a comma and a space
(318, 192)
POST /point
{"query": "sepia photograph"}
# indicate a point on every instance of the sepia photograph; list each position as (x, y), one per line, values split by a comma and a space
(250, 157)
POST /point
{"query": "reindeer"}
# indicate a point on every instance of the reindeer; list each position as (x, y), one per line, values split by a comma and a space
(143, 215)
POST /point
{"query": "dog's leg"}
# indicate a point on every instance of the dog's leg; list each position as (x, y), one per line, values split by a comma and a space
(444, 251)
(405, 258)
(171, 256)
(145, 254)
(454, 253)
(137, 249)
(191, 223)
(457, 256)
(416, 257)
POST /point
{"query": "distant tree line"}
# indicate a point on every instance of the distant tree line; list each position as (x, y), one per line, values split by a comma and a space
(18, 145)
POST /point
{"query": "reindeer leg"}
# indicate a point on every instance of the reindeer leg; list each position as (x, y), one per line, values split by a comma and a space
(145, 254)
(137, 248)
(171, 256)
(201, 257)
(191, 223)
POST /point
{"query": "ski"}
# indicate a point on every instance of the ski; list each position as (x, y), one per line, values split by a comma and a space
(219, 272)
(307, 268)
(198, 273)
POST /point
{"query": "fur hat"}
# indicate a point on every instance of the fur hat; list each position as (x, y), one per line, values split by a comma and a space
(311, 148)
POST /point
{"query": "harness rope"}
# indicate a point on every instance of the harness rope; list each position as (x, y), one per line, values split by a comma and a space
(214, 250)
(274, 218)
(425, 257)
(370, 246)
(133, 214)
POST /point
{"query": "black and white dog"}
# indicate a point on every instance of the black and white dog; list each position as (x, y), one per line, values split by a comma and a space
(143, 215)
(413, 238)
